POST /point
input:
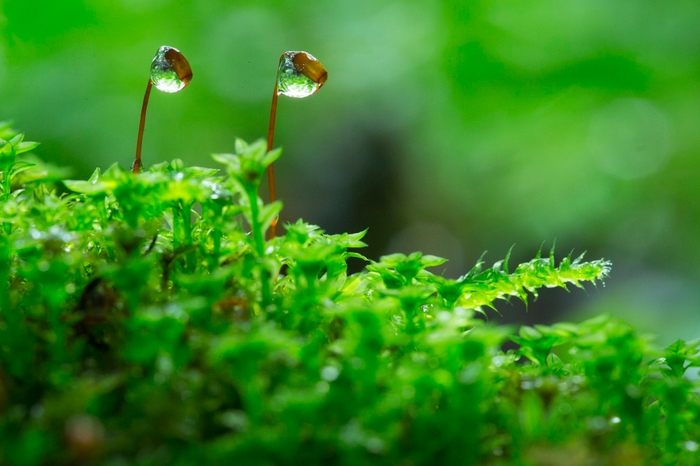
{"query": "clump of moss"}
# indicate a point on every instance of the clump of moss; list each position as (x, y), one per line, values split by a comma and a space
(146, 320)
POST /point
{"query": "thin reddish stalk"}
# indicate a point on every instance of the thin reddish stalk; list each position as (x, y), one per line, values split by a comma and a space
(270, 168)
(136, 166)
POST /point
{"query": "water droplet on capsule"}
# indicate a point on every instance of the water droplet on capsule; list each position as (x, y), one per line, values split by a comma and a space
(300, 74)
(170, 70)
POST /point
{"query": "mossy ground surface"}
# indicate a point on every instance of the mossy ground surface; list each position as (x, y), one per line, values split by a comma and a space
(146, 320)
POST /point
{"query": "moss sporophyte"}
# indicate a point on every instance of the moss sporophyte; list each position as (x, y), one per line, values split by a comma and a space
(170, 72)
(148, 320)
(299, 75)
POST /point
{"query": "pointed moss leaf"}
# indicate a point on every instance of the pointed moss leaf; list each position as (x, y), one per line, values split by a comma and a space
(26, 147)
(182, 191)
(392, 259)
(40, 171)
(86, 187)
(301, 232)
(98, 183)
(357, 236)
(114, 172)
(476, 270)
(6, 148)
(350, 240)
(432, 261)
(240, 146)
(498, 267)
(506, 268)
(271, 157)
(255, 152)
(529, 333)
(565, 328)
(356, 256)
(177, 165)
(414, 256)
(200, 172)
(554, 362)
(17, 139)
(555, 335)
(95, 175)
(162, 167)
(268, 213)
(228, 159)
(22, 166)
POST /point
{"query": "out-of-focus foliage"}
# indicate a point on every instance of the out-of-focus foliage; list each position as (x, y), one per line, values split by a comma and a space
(448, 126)
(146, 320)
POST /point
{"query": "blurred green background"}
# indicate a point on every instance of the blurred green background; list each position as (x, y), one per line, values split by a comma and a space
(450, 127)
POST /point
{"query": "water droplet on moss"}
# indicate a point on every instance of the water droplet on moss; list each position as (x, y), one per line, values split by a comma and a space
(300, 74)
(170, 70)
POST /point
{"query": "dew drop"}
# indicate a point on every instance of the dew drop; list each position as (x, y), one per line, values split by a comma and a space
(300, 74)
(170, 70)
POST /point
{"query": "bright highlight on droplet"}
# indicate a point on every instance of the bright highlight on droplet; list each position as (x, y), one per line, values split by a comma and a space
(170, 70)
(300, 74)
